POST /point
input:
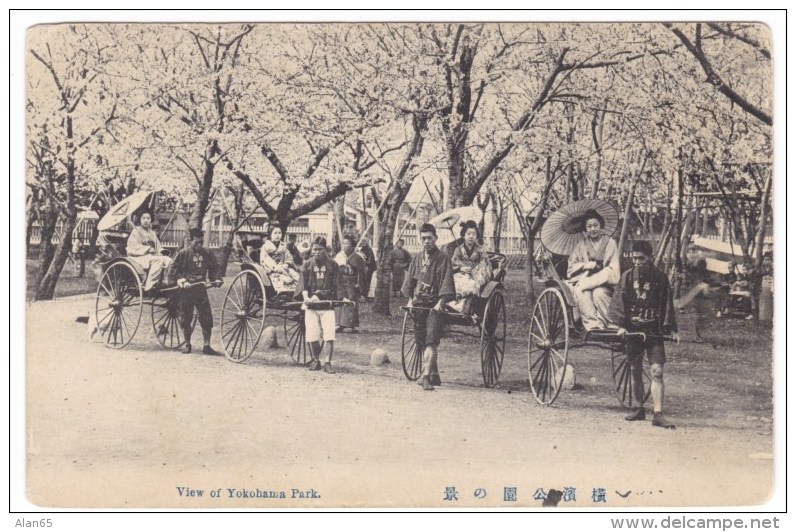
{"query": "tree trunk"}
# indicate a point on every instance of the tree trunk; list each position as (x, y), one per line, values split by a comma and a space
(455, 171)
(498, 208)
(338, 207)
(381, 304)
(678, 258)
(205, 187)
(483, 206)
(49, 221)
(627, 214)
(666, 235)
(46, 288)
(761, 225)
(237, 214)
(389, 216)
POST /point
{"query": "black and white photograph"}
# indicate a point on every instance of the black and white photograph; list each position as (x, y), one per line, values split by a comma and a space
(421, 264)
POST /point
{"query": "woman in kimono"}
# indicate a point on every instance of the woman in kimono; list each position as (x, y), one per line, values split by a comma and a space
(354, 269)
(471, 268)
(593, 271)
(278, 262)
(400, 259)
(143, 247)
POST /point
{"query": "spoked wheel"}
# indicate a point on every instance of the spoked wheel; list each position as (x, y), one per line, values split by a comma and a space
(166, 321)
(493, 338)
(119, 305)
(624, 381)
(411, 351)
(297, 337)
(243, 316)
(548, 346)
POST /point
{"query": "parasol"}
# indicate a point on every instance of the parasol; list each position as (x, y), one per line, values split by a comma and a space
(123, 210)
(564, 228)
(447, 221)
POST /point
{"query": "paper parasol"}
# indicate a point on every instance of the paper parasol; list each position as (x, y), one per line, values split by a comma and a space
(447, 221)
(123, 210)
(564, 228)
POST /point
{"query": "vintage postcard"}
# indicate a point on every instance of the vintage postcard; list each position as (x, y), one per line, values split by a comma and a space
(438, 265)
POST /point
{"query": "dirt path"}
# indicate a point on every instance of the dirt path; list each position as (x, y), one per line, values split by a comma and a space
(128, 428)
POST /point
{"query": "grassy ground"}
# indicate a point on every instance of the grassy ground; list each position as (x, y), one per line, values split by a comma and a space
(69, 283)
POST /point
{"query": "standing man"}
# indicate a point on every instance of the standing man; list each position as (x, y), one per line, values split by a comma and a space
(429, 284)
(192, 266)
(643, 303)
(293, 249)
(353, 275)
(399, 260)
(370, 263)
(320, 281)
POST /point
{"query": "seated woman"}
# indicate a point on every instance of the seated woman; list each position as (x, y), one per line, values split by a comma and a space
(143, 247)
(593, 272)
(278, 262)
(744, 289)
(471, 269)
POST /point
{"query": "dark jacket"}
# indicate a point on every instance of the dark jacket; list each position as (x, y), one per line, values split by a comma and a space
(647, 307)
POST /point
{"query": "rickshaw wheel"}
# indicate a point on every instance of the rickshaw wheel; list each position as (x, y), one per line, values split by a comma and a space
(296, 335)
(411, 352)
(493, 338)
(548, 346)
(243, 316)
(623, 379)
(119, 304)
(166, 321)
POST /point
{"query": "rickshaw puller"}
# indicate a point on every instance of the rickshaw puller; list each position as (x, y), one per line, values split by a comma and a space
(429, 284)
(320, 280)
(643, 303)
(194, 264)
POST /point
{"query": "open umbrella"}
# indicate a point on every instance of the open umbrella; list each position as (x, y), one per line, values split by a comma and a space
(123, 210)
(447, 221)
(564, 228)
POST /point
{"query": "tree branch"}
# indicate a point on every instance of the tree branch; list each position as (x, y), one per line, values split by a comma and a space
(751, 42)
(714, 79)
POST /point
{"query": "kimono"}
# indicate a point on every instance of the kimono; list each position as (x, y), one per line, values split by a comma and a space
(429, 281)
(593, 289)
(195, 266)
(643, 302)
(399, 260)
(278, 264)
(370, 262)
(353, 278)
(322, 280)
(472, 271)
(144, 248)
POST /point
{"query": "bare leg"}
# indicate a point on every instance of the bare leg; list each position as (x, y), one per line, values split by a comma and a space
(656, 388)
(637, 372)
(315, 351)
(657, 398)
(206, 334)
(329, 347)
(429, 361)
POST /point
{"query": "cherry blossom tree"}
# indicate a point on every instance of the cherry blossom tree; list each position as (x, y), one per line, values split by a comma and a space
(71, 116)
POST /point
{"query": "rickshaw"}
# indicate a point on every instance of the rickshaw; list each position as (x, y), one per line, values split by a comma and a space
(252, 303)
(487, 323)
(121, 298)
(554, 329)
